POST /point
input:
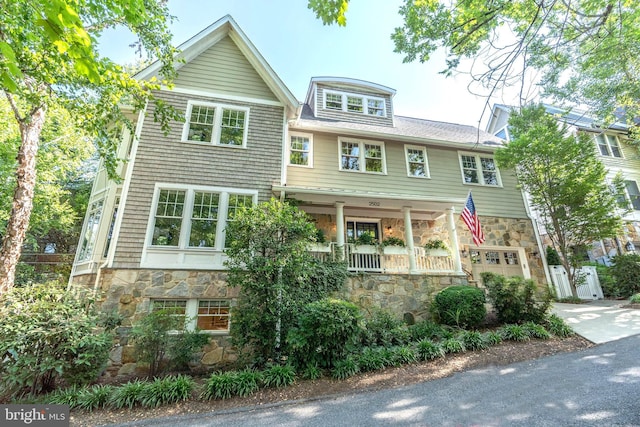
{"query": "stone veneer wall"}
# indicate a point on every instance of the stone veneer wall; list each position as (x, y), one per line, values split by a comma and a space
(129, 293)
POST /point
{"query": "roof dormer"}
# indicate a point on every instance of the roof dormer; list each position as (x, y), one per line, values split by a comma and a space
(351, 100)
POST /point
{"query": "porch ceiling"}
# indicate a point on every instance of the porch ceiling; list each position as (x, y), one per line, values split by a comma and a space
(429, 206)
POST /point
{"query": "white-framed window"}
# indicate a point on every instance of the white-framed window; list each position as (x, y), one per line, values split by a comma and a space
(355, 103)
(608, 145)
(633, 193)
(301, 149)
(216, 124)
(417, 163)
(90, 232)
(362, 156)
(210, 315)
(479, 169)
(186, 217)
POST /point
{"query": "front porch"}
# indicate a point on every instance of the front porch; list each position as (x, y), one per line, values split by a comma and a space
(387, 259)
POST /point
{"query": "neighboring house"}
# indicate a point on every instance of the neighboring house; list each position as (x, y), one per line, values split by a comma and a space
(157, 239)
(611, 145)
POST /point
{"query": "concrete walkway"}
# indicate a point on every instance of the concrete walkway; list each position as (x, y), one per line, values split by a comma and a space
(600, 321)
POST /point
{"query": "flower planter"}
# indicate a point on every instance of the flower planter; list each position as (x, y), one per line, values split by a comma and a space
(394, 250)
(436, 252)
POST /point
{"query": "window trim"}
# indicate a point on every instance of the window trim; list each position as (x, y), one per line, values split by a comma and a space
(361, 155)
(90, 230)
(310, 157)
(606, 137)
(344, 105)
(427, 172)
(190, 190)
(627, 195)
(478, 157)
(217, 123)
(191, 314)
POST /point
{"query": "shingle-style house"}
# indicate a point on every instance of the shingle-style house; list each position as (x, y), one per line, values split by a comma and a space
(619, 157)
(157, 239)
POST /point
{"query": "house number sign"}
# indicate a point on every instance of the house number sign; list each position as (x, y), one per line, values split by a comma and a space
(374, 203)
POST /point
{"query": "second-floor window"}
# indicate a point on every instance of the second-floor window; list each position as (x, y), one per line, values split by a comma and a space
(353, 103)
(479, 169)
(300, 150)
(216, 124)
(417, 165)
(362, 156)
(608, 145)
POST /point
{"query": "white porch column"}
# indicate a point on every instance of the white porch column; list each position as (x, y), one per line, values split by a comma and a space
(453, 238)
(340, 228)
(408, 235)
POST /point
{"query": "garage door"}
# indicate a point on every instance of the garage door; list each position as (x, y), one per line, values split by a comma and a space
(503, 262)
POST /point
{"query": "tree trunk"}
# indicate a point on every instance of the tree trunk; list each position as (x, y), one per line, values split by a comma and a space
(22, 206)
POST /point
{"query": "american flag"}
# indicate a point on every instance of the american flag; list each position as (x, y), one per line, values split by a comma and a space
(470, 217)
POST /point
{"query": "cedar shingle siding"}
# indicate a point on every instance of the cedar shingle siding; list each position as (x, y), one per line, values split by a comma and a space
(165, 159)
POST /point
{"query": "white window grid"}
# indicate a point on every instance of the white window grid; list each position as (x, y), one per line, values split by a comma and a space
(301, 150)
(354, 103)
(608, 145)
(208, 123)
(417, 163)
(479, 169)
(362, 156)
(90, 233)
(208, 315)
(196, 205)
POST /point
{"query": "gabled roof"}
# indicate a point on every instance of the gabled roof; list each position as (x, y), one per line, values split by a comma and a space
(375, 87)
(226, 26)
(407, 129)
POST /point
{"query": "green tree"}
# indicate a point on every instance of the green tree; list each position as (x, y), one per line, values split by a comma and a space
(61, 181)
(48, 56)
(586, 51)
(564, 180)
(268, 259)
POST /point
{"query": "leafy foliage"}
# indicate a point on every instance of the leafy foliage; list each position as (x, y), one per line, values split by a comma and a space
(453, 345)
(635, 299)
(220, 385)
(48, 335)
(325, 331)
(269, 261)
(163, 391)
(461, 306)
(514, 332)
(626, 272)
(381, 328)
(345, 368)
(565, 180)
(558, 327)
(279, 376)
(514, 299)
(474, 340)
(608, 283)
(429, 350)
(552, 256)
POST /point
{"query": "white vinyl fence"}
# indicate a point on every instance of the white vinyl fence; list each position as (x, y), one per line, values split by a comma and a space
(590, 288)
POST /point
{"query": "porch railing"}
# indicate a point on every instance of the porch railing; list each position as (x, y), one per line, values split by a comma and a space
(389, 259)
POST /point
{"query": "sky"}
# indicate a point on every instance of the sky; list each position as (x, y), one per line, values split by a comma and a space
(298, 47)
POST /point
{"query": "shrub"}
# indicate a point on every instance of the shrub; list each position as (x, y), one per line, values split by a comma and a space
(536, 331)
(453, 345)
(608, 283)
(557, 326)
(393, 241)
(552, 256)
(571, 300)
(127, 395)
(311, 372)
(514, 333)
(220, 385)
(345, 368)
(461, 306)
(325, 331)
(514, 299)
(429, 350)
(95, 397)
(184, 348)
(279, 376)
(67, 396)
(379, 327)
(635, 299)
(247, 382)
(473, 340)
(426, 329)
(48, 335)
(492, 337)
(371, 359)
(162, 391)
(626, 272)
(404, 355)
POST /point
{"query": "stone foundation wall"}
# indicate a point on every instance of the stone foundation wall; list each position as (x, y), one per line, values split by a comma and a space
(129, 293)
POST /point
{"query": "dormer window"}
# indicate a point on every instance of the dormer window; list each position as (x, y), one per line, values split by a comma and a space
(353, 103)
(608, 145)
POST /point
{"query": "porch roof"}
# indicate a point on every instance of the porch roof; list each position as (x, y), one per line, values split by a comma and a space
(433, 206)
